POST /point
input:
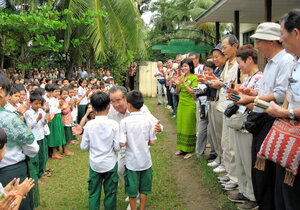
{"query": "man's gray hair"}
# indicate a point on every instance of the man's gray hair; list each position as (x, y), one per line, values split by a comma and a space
(114, 89)
(194, 54)
(231, 39)
(179, 56)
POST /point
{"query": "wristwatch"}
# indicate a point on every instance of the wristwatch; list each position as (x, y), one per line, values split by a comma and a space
(291, 114)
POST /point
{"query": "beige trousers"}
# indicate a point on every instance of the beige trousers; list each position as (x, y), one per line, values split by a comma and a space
(243, 142)
(215, 125)
(227, 144)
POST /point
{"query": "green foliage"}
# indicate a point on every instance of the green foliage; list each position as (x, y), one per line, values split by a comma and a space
(31, 34)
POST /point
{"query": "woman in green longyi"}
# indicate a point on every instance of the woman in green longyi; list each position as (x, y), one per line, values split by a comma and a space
(186, 111)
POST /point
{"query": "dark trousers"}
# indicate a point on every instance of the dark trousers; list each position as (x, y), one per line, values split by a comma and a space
(175, 103)
(131, 83)
(263, 181)
(286, 197)
(18, 170)
(169, 96)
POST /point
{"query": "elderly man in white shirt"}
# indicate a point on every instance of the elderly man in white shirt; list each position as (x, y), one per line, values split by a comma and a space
(160, 74)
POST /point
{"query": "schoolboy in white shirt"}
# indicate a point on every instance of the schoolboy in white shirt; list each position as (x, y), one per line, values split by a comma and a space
(137, 133)
(101, 138)
(36, 119)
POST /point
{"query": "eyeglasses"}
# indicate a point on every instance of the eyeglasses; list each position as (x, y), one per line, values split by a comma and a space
(223, 47)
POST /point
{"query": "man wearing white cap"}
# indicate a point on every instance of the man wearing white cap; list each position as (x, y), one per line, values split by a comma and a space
(272, 87)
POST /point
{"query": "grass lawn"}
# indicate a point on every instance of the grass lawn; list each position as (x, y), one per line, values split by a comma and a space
(68, 188)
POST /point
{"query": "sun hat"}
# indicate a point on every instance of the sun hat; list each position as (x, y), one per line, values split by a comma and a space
(218, 47)
(267, 31)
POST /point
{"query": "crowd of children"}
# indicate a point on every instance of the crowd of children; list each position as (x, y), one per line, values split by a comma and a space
(51, 112)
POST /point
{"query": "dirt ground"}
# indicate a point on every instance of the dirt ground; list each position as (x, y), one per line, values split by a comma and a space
(194, 194)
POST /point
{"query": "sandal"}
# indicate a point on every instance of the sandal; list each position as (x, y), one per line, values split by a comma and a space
(188, 155)
(49, 169)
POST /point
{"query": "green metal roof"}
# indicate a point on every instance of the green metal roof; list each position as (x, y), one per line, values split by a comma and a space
(182, 47)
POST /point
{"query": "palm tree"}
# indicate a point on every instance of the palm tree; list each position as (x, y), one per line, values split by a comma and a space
(121, 28)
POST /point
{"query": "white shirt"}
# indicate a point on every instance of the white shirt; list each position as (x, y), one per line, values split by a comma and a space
(117, 116)
(106, 77)
(17, 154)
(275, 78)
(10, 107)
(136, 131)
(101, 138)
(229, 75)
(81, 92)
(74, 111)
(199, 69)
(293, 94)
(158, 72)
(54, 106)
(37, 128)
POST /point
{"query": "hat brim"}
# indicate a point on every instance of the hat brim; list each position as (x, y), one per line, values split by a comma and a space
(267, 37)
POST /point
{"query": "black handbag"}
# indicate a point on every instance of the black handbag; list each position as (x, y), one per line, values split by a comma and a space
(231, 109)
(162, 81)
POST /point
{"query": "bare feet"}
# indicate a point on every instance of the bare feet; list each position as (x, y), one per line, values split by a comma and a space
(40, 182)
(74, 142)
(68, 153)
(46, 175)
(180, 153)
(57, 157)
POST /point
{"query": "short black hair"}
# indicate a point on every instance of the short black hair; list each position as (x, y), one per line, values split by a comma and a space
(48, 79)
(291, 20)
(136, 99)
(40, 91)
(100, 101)
(3, 138)
(4, 84)
(194, 54)
(13, 91)
(35, 96)
(54, 87)
(20, 87)
(190, 63)
(81, 81)
(64, 89)
(48, 87)
(210, 64)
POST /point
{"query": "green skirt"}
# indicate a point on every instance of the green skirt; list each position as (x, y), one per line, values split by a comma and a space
(57, 133)
(34, 194)
(186, 127)
(40, 159)
(69, 134)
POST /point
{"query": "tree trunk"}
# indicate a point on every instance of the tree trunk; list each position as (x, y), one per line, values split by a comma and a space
(70, 67)
(90, 59)
(23, 58)
(3, 57)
